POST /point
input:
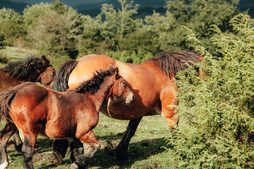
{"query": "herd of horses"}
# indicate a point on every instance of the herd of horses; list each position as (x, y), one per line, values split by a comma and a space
(69, 102)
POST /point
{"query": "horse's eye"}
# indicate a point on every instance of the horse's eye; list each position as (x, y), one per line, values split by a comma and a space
(124, 83)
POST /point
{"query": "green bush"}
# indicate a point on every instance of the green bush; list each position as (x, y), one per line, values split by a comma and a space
(216, 111)
(2, 38)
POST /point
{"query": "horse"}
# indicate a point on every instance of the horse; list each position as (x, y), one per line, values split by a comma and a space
(152, 82)
(33, 110)
(30, 69)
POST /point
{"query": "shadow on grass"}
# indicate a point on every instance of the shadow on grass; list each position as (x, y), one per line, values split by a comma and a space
(106, 157)
(138, 151)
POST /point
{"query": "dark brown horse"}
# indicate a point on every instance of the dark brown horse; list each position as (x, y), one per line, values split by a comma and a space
(152, 82)
(33, 110)
(30, 69)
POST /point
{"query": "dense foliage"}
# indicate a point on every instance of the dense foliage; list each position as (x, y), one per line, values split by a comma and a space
(216, 110)
(57, 30)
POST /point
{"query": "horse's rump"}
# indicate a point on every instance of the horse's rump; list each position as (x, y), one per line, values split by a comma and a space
(5, 100)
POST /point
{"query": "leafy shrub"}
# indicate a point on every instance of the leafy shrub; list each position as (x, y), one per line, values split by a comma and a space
(2, 38)
(216, 111)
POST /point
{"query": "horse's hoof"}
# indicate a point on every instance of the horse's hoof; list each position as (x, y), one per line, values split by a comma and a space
(74, 166)
(19, 147)
(58, 157)
(4, 165)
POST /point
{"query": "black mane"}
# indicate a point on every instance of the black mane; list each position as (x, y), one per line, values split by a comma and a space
(174, 60)
(23, 68)
(93, 85)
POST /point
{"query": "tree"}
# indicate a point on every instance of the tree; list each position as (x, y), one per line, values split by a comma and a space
(54, 31)
(118, 24)
(216, 110)
(2, 38)
(11, 25)
(197, 15)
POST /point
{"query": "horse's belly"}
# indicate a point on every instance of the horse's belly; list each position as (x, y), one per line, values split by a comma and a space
(123, 111)
(57, 132)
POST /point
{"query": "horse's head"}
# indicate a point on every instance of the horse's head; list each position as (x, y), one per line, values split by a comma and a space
(47, 72)
(120, 92)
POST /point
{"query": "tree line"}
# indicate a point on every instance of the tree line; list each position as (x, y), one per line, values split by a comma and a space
(58, 30)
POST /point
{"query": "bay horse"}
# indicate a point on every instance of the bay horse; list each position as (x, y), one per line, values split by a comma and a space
(33, 110)
(152, 82)
(30, 69)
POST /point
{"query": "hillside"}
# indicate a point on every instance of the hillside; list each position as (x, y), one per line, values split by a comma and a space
(146, 7)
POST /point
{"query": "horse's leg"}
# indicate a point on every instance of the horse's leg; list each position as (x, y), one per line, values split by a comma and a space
(28, 149)
(76, 149)
(59, 149)
(5, 134)
(122, 148)
(18, 141)
(82, 160)
(168, 101)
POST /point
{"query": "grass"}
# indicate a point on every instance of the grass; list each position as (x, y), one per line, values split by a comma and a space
(145, 149)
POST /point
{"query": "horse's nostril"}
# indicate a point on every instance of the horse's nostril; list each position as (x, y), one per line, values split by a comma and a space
(133, 97)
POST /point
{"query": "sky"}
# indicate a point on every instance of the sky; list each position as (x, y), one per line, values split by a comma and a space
(66, 2)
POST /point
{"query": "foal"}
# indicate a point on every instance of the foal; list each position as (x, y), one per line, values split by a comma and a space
(34, 110)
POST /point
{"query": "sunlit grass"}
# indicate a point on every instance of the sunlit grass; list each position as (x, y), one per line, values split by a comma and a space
(15, 53)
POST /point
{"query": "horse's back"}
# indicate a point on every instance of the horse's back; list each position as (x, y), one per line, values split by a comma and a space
(87, 67)
(29, 94)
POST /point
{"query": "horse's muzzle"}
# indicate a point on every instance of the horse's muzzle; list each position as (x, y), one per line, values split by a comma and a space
(129, 98)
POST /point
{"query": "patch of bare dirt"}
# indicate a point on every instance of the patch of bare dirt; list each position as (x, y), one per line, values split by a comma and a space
(40, 158)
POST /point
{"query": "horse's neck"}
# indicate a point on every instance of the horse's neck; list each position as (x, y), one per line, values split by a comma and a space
(99, 97)
(31, 77)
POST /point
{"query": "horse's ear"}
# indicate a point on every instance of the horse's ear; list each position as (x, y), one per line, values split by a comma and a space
(116, 71)
(45, 61)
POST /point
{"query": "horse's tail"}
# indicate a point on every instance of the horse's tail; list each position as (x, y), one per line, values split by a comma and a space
(61, 79)
(5, 100)
(174, 61)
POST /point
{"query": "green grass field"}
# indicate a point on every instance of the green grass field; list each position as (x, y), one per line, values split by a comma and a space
(145, 150)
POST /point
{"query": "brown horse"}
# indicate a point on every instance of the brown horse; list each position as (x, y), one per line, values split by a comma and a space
(152, 82)
(34, 110)
(30, 69)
